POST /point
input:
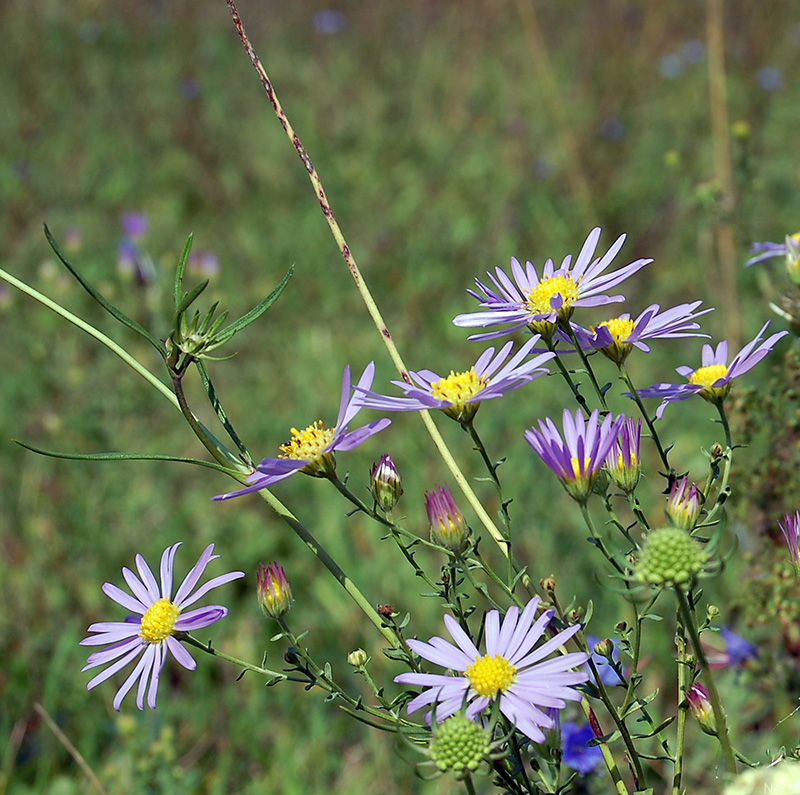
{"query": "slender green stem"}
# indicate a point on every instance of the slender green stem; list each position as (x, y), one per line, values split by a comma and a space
(645, 416)
(585, 360)
(599, 543)
(491, 468)
(468, 785)
(463, 566)
(713, 695)
(361, 284)
(93, 332)
(683, 708)
(209, 649)
(566, 376)
(722, 493)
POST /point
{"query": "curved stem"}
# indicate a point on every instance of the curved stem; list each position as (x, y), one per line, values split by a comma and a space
(363, 290)
(584, 359)
(209, 649)
(722, 493)
(566, 376)
(491, 468)
(713, 695)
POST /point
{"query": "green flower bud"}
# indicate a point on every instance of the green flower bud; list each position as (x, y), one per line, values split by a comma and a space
(274, 592)
(670, 557)
(459, 744)
(357, 658)
(384, 484)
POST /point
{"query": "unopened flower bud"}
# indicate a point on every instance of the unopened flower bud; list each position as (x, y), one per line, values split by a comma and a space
(712, 611)
(448, 526)
(683, 505)
(384, 484)
(548, 584)
(716, 452)
(604, 648)
(274, 592)
(793, 258)
(357, 658)
(575, 616)
(670, 556)
(703, 711)
(622, 462)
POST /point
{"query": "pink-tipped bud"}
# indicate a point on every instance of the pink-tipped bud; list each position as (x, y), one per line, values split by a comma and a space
(684, 504)
(384, 484)
(448, 526)
(702, 709)
(622, 461)
(274, 592)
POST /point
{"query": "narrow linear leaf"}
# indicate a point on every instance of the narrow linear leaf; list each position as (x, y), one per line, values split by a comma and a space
(187, 299)
(256, 312)
(181, 270)
(220, 412)
(124, 457)
(114, 311)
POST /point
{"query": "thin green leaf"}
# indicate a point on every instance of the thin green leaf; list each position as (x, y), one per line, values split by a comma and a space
(114, 311)
(181, 270)
(187, 299)
(124, 457)
(256, 312)
(220, 412)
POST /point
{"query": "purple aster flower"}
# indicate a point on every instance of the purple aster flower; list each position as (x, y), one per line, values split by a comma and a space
(712, 381)
(458, 395)
(538, 302)
(511, 671)
(151, 632)
(313, 450)
(577, 459)
(134, 225)
(576, 754)
(736, 652)
(615, 338)
(790, 527)
(684, 504)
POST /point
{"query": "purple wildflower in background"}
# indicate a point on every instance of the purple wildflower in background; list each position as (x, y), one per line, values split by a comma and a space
(576, 459)
(458, 395)
(576, 754)
(511, 671)
(151, 631)
(134, 225)
(538, 302)
(736, 651)
(608, 676)
(313, 450)
(616, 338)
(712, 381)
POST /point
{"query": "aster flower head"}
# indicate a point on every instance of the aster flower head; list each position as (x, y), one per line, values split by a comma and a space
(712, 381)
(735, 653)
(617, 337)
(790, 249)
(312, 450)
(539, 302)
(459, 395)
(151, 631)
(790, 527)
(448, 526)
(622, 462)
(576, 459)
(512, 671)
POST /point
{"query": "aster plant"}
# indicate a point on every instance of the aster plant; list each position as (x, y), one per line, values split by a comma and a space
(517, 692)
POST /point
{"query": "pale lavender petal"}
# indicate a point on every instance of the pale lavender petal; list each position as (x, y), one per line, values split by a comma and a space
(202, 617)
(112, 669)
(126, 600)
(139, 591)
(196, 572)
(167, 560)
(461, 638)
(148, 579)
(210, 585)
(181, 654)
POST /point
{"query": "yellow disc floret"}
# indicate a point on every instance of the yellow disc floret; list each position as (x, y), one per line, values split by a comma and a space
(620, 329)
(539, 298)
(491, 675)
(158, 622)
(705, 377)
(457, 389)
(308, 443)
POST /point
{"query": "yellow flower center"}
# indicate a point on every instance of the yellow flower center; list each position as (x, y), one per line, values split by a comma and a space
(307, 444)
(577, 469)
(706, 376)
(538, 301)
(458, 388)
(620, 328)
(158, 622)
(491, 675)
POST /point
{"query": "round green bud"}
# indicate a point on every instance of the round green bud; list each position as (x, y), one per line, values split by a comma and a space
(670, 557)
(459, 744)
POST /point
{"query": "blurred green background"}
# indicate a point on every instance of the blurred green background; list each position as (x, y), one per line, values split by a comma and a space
(449, 137)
